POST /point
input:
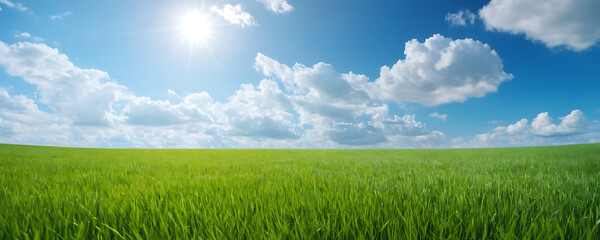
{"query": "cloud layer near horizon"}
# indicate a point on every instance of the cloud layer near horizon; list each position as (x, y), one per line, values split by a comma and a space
(573, 128)
(293, 107)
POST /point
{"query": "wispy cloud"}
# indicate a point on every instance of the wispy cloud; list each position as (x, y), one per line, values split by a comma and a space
(61, 16)
(461, 18)
(277, 6)
(172, 93)
(26, 35)
(442, 117)
(17, 6)
(234, 14)
(495, 121)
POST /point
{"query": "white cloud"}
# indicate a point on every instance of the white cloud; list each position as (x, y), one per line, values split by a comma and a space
(144, 111)
(356, 134)
(317, 107)
(277, 6)
(405, 126)
(442, 117)
(19, 103)
(518, 127)
(19, 108)
(573, 128)
(234, 14)
(61, 16)
(259, 112)
(435, 139)
(17, 6)
(22, 122)
(339, 107)
(570, 23)
(85, 95)
(572, 124)
(461, 18)
(88, 109)
(260, 127)
(27, 36)
(172, 93)
(441, 70)
(320, 81)
(318, 92)
(295, 107)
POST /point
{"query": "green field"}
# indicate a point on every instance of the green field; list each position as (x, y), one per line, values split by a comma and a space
(508, 193)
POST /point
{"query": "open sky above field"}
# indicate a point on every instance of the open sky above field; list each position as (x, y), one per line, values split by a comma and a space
(299, 73)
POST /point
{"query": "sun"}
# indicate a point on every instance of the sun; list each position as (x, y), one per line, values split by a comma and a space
(195, 27)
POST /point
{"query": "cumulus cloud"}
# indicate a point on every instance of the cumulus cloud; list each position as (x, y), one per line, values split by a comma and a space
(318, 91)
(405, 126)
(277, 6)
(19, 103)
(516, 128)
(85, 95)
(194, 108)
(27, 36)
(144, 111)
(442, 117)
(258, 127)
(441, 70)
(259, 112)
(295, 106)
(60, 16)
(234, 14)
(356, 134)
(339, 106)
(18, 108)
(22, 122)
(573, 128)
(570, 23)
(461, 18)
(572, 124)
(17, 6)
(319, 81)
(89, 109)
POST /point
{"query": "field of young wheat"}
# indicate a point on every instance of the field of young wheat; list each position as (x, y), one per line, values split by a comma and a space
(506, 193)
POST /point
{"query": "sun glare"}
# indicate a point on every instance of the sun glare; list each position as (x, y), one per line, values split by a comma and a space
(195, 27)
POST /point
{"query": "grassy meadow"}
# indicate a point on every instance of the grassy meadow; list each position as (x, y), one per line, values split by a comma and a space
(505, 193)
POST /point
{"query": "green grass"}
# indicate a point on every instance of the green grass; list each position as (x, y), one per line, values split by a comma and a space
(509, 193)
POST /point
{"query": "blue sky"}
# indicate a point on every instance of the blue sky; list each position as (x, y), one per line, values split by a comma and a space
(299, 74)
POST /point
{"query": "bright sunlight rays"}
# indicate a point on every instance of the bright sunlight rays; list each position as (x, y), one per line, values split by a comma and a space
(195, 27)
